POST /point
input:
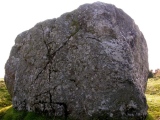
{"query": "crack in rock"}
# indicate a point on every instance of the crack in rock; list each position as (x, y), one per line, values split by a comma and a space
(50, 55)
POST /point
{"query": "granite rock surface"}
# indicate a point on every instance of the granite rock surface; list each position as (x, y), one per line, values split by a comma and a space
(88, 63)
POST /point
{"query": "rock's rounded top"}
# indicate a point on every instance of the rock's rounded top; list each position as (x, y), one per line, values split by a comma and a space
(91, 62)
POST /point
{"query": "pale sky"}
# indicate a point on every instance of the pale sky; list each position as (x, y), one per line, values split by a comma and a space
(17, 16)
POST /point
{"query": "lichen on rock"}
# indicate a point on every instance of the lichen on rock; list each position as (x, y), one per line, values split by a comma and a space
(91, 62)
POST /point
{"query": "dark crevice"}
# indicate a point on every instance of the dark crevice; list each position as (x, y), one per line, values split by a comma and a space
(51, 102)
(49, 76)
(66, 113)
(42, 70)
(40, 94)
(50, 55)
(73, 80)
(50, 43)
(54, 53)
(55, 70)
(94, 39)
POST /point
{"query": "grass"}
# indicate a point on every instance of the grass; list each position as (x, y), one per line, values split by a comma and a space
(153, 97)
(5, 99)
(8, 113)
(3, 111)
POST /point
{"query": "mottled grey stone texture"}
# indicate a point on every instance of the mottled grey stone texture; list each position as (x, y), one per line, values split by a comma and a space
(89, 63)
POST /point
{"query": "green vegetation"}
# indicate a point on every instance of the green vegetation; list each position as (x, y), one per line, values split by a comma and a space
(150, 74)
(8, 113)
(153, 97)
(23, 115)
(5, 99)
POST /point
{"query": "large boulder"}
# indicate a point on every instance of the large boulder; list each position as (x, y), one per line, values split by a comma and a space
(89, 63)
